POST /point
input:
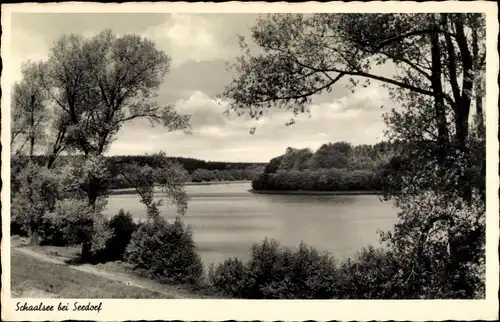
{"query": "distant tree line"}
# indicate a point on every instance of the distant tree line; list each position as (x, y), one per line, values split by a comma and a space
(198, 170)
(336, 166)
(341, 166)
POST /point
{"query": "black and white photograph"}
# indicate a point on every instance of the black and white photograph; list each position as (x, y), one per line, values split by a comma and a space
(243, 154)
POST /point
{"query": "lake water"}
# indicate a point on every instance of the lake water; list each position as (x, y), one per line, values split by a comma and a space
(227, 219)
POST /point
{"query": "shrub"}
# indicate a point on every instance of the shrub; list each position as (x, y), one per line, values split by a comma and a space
(165, 252)
(18, 228)
(55, 231)
(122, 227)
(232, 277)
(314, 275)
(276, 272)
(372, 274)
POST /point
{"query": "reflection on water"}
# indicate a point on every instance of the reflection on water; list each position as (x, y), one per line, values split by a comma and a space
(227, 219)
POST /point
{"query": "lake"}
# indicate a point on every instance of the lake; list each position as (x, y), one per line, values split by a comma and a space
(226, 219)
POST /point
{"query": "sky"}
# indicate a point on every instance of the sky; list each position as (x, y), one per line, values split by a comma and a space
(199, 46)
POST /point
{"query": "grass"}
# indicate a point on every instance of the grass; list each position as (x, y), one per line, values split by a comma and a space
(51, 271)
(31, 277)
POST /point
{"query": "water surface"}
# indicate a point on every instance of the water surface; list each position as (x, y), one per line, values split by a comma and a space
(227, 219)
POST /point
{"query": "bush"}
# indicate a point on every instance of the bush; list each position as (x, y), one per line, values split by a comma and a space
(122, 226)
(165, 252)
(372, 274)
(55, 231)
(275, 272)
(232, 277)
(18, 228)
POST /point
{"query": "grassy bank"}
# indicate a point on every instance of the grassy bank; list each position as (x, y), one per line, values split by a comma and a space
(310, 192)
(35, 278)
(46, 272)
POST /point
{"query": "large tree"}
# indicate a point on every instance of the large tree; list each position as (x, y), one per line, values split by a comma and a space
(29, 113)
(98, 84)
(89, 88)
(438, 61)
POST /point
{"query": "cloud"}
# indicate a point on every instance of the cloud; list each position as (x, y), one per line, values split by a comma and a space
(204, 110)
(199, 45)
(188, 37)
(355, 118)
(25, 47)
(201, 37)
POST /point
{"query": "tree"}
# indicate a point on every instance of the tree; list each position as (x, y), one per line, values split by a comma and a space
(29, 114)
(439, 60)
(32, 197)
(330, 155)
(273, 165)
(165, 174)
(94, 86)
(295, 159)
(99, 84)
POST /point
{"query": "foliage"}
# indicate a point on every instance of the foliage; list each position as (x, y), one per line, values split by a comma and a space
(122, 227)
(274, 272)
(92, 86)
(203, 175)
(440, 243)
(319, 180)
(189, 164)
(439, 171)
(82, 224)
(112, 80)
(198, 170)
(295, 159)
(32, 195)
(373, 273)
(333, 167)
(18, 228)
(165, 251)
(273, 165)
(306, 55)
(165, 174)
(29, 115)
(331, 156)
(231, 277)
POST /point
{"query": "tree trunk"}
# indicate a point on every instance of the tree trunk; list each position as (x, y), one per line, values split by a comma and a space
(35, 237)
(32, 126)
(32, 145)
(439, 105)
(87, 251)
(481, 130)
(50, 161)
(462, 134)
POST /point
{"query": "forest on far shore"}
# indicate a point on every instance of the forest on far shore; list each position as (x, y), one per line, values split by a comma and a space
(338, 166)
(198, 170)
(342, 166)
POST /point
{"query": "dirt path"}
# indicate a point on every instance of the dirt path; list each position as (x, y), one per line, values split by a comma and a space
(124, 278)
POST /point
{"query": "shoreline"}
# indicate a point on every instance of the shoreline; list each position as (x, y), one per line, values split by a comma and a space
(131, 191)
(315, 193)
